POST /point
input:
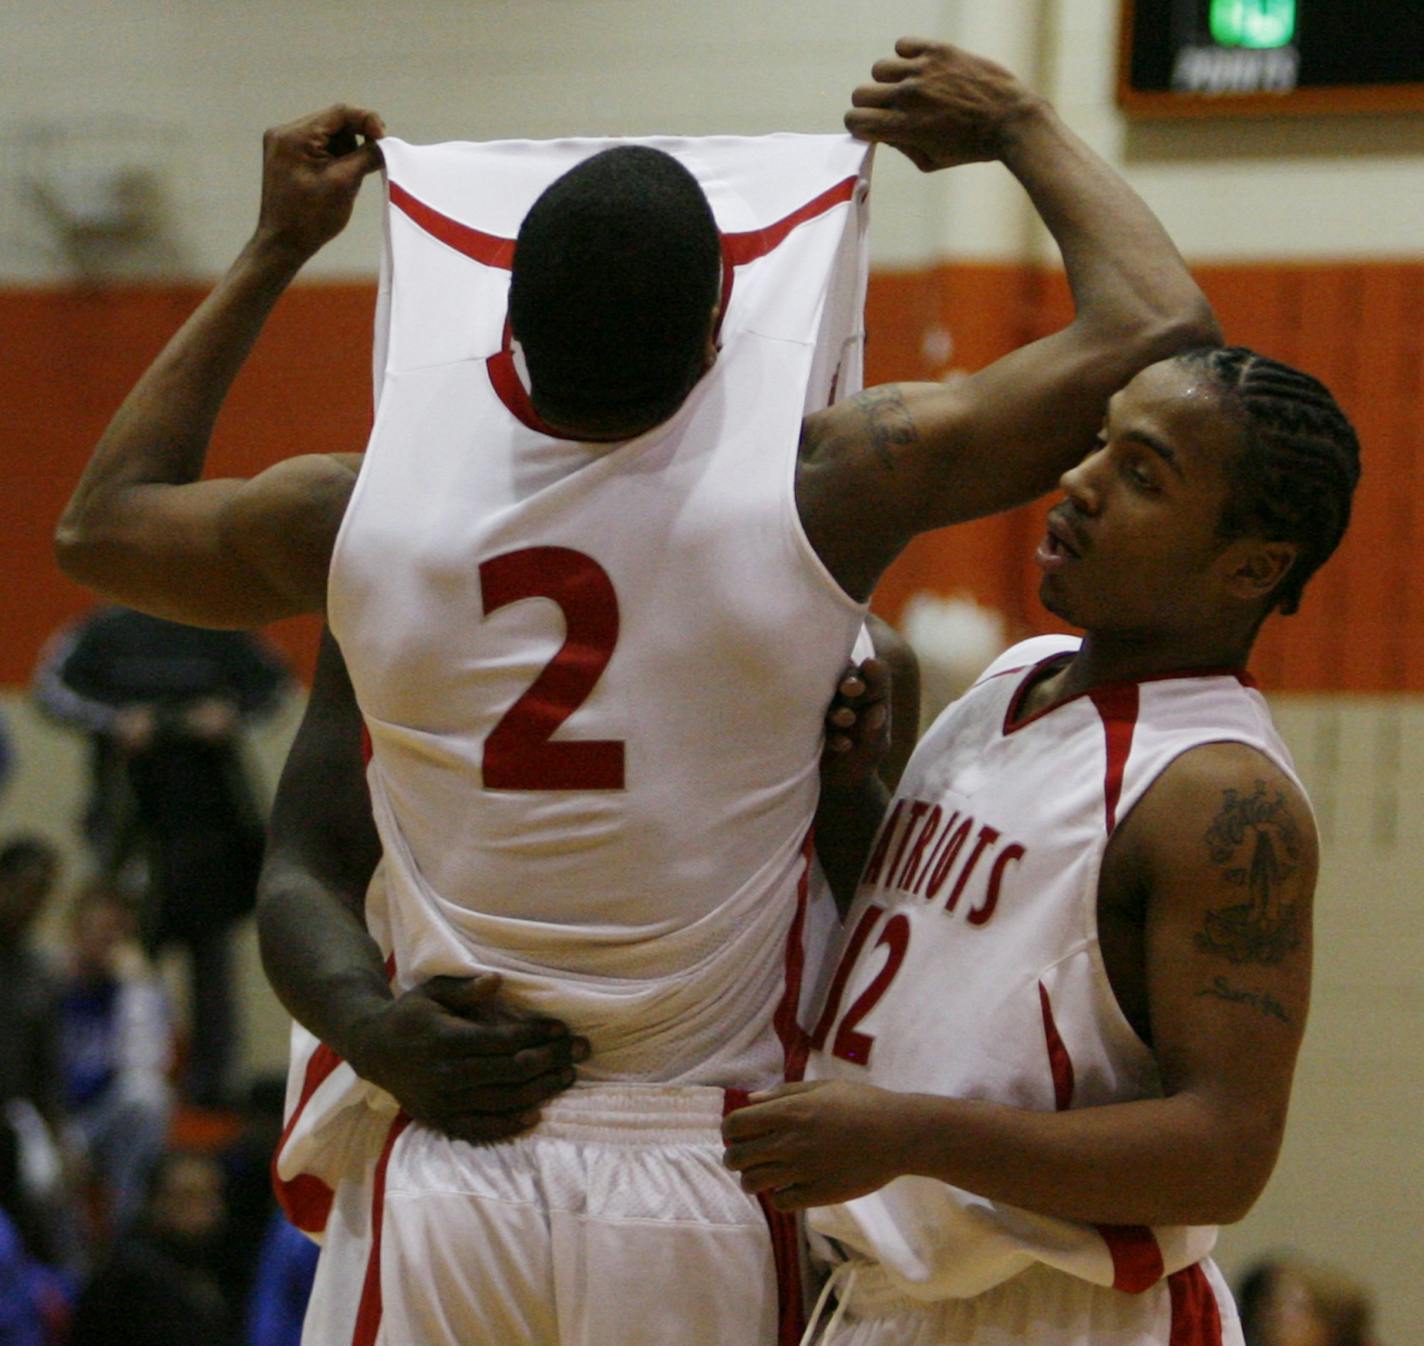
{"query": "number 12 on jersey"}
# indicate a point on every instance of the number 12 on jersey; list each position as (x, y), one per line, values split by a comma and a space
(849, 1043)
(520, 752)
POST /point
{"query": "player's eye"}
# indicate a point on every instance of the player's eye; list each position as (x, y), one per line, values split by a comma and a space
(1140, 474)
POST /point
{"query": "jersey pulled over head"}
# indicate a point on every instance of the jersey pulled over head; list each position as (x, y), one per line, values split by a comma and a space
(616, 276)
(1295, 474)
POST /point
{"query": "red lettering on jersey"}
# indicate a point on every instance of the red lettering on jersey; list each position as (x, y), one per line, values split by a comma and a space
(953, 843)
(917, 811)
(987, 837)
(833, 997)
(882, 844)
(1009, 855)
(939, 842)
(911, 868)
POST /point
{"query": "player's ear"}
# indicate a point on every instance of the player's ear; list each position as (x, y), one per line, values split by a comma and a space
(1255, 567)
(709, 349)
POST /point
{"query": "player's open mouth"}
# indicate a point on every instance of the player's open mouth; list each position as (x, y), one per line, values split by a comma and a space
(1060, 545)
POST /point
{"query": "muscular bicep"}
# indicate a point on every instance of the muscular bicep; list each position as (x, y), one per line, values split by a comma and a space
(1227, 852)
(223, 552)
(901, 459)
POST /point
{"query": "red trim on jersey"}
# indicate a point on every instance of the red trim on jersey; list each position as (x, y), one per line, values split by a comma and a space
(1196, 1316)
(795, 1043)
(509, 388)
(368, 1313)
(1136, 1256)
(1059, 1062)
(490, 249)
(368, 749)
(739, 249)
(785, 1236)
(1117, 705)
(305, 1199)
(1012, 723)
(1036, 673)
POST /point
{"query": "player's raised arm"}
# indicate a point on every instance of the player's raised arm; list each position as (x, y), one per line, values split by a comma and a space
(141, 527)
(899, 459)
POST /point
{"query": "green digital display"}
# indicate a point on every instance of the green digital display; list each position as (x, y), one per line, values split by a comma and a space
(1269, 57)
(1257, 24)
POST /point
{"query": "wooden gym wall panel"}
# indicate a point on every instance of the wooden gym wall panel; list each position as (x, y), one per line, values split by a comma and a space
(71, 356)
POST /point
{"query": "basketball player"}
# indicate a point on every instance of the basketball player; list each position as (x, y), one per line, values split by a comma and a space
(582, 1226)
(1058, 1047)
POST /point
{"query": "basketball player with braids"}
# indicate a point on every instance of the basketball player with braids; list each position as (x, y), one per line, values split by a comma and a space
(1057, 1049)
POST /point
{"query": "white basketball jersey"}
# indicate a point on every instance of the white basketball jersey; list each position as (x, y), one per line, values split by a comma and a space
(971, 967)
(594, 675)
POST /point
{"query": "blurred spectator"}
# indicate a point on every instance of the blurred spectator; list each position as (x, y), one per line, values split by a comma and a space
(36, 1301)
(30, 1095)
(285, 1271)
(247, 1174)
(1288, 1301)
(29, 868)
(115, 1050)
(165, 705)
(163, 1283)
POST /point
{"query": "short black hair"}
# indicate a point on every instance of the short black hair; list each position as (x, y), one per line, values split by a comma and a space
(1295, 475)
(617, 269)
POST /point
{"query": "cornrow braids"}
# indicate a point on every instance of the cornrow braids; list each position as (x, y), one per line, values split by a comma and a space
(1300, 459)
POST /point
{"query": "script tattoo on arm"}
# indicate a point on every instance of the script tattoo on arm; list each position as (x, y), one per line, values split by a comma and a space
(1256, 845)
(888, 423)
(1221, 989)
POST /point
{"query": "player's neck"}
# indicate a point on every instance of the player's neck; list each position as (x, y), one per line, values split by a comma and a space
(1112, 657)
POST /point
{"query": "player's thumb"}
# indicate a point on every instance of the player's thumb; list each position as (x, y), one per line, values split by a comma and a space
(463, 994)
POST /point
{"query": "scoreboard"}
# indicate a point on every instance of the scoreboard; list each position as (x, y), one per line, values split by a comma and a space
(1265, 57)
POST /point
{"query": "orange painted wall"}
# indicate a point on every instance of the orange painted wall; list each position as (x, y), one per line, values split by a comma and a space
(69, 357)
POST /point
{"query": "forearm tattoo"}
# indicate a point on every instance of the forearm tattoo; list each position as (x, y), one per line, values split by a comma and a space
(888, 423)
(1255, 844)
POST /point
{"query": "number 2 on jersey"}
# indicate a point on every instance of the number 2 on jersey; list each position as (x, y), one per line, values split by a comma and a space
(521, 752)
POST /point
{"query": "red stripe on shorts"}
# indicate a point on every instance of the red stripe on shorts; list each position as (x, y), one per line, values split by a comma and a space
(368, 1313)
(785, 1233)
(306, 1200)
(1136, 1256)
(1196, 1319)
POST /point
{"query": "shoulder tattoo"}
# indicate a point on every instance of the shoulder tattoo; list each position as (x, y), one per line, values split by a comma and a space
(1256, 845)
(887, 422)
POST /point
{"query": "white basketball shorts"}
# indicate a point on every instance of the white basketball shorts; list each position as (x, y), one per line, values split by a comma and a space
(613, 1223)
(1039, 1307)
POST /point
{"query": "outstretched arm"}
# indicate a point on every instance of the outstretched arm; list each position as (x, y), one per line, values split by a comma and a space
(1225, 851)
(899, 459)
(141, 528)
(448, 1052)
